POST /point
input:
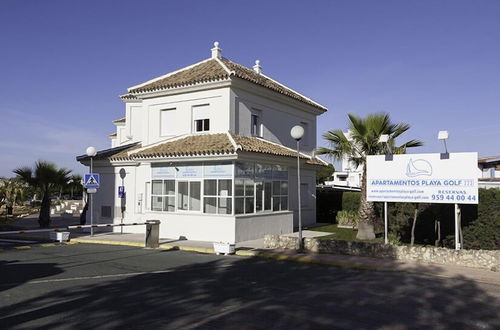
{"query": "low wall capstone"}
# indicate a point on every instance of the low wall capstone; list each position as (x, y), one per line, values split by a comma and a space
(486, 259)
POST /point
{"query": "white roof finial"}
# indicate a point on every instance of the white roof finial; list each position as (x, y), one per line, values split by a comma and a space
(216, 51)
(257, 68)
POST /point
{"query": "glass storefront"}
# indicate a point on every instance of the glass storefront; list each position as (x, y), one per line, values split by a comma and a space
(208, 188)
(260, 188)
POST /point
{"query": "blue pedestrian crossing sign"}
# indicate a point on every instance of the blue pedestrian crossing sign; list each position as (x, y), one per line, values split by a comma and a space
(91, 180)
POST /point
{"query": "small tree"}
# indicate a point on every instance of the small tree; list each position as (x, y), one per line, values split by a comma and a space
(324, 174)
(46, 178)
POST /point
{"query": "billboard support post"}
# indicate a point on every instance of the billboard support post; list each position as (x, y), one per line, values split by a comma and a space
(385, 223)
(458, 242)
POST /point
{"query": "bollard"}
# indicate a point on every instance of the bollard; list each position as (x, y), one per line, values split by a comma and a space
(152, 234)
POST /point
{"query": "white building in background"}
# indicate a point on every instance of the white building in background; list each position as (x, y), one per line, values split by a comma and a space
(349, 176)
(490, 172)
(207, 151)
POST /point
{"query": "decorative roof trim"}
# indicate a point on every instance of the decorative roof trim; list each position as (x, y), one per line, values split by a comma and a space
(229, 72)
(236, 146)
(112, 135)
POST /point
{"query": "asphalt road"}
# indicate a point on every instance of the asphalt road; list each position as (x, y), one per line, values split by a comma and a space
(87, 286)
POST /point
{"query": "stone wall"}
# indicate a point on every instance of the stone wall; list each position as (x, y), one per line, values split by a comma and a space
(467, 258)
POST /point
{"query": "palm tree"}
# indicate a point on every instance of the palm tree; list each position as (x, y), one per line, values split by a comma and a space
(75, 185)
(46, 178)
(363, 140)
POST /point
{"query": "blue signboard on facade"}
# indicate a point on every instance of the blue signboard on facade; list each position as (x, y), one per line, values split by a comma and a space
(121, 191)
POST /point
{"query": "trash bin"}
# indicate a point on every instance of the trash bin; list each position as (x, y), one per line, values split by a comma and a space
(152, 234)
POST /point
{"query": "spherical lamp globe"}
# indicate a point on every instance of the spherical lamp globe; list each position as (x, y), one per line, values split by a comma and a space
(297, 132)
(91, 152)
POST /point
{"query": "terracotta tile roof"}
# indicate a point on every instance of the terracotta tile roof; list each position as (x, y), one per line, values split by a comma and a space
(254, 144)
(260, 79)
(217, 69)
(203, 144)
(317, 161)
(488, 159)
(202, 72)
(123, 154)
(217, 144)
(117, 153)
(128, 96)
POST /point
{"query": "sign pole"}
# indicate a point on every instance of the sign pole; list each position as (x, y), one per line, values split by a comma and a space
(457, 238)
(91, 203)
(385, 223)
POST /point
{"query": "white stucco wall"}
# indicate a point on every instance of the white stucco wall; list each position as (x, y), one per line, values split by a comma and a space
(143, 119)
(277, 119)
(249, 227)
(308, 195)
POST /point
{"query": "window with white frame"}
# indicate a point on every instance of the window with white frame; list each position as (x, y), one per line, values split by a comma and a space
(243, 196)
(255, 128)
(167, 122)
(217, 195)
(189, 195)
(163, 195)
(201, 118)
(280, 195)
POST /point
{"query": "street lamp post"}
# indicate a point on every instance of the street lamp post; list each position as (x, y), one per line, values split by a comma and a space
(297, 132)
(91, 152)
(384, 138)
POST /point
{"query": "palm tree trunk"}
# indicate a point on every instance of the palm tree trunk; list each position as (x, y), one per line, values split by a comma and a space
(366, 213)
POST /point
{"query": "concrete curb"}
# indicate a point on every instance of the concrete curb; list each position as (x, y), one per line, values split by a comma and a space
(187, 248)
(105, 242)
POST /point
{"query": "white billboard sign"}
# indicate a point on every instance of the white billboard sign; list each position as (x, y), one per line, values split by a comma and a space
(423, 178)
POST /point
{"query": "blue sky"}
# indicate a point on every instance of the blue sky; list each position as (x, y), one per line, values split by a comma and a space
(433, 64)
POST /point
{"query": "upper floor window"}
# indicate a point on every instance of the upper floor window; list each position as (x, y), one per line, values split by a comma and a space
(202, 125)
(201, 118)
(255, 125)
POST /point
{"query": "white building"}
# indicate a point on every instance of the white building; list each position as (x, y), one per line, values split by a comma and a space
(207, 151)
(349, 176)
(490, 172)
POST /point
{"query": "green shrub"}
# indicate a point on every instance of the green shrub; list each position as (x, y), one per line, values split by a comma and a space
(351, 201)
(347, 218)
(484, 233)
